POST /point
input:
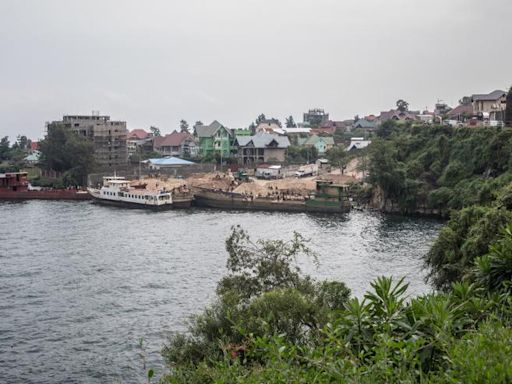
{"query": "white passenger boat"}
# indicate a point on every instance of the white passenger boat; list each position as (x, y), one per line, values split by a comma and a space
(118, 191)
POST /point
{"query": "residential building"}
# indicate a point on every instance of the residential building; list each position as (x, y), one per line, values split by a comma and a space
(138, 138)
(215, 139)
(181, 144)
(397, 115)
(329, 127)
(269, 127)
(426, 117)
(490, 106)
(364, 124)
(461, 113)
(33, 158)
(315, 117)
(109, 137)
(261, 148)
(321, 143)
(441, 108)
(357, 143)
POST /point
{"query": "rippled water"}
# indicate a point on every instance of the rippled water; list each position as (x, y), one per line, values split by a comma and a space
(80, 283)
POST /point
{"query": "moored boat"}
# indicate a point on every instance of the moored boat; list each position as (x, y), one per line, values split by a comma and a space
(328, 197)
(15, 186)
(118, 191)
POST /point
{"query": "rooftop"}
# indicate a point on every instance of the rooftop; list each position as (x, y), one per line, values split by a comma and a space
(263, 140)
(494, 95)
(170, 160)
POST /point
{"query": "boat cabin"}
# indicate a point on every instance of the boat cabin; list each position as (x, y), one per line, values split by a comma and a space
(14, 181)
(327, 189)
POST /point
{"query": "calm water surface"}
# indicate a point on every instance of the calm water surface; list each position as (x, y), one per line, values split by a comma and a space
(80, 284)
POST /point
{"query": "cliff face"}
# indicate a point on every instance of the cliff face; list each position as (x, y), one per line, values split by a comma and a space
(386, 205)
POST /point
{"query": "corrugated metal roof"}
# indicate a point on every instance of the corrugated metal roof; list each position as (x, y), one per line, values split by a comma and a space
(209, 130)
(171, 160)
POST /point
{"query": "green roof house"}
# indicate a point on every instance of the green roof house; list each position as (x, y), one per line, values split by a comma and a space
(321, 143)
(214, 138)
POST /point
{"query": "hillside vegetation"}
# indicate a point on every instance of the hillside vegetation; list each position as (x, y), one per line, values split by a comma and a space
(439, 168)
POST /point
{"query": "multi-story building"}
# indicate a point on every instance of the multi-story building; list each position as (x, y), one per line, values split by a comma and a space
(138, 139)
(315, 117)
(181, 144)
(490, 106)
(214, 139)
(109, 137)
(262, 147)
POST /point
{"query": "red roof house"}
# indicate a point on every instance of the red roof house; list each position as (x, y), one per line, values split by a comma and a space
(176, 144)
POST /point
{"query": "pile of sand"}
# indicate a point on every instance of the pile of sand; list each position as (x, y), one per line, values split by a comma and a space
(154, 184)
(215, 180)
(265, 187)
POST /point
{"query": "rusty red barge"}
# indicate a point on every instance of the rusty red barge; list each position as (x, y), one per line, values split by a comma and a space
(15, 186)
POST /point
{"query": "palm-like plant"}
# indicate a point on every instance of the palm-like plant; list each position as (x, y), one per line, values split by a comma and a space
(494, 270)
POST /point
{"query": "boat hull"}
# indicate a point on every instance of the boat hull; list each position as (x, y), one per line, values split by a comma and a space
(182, 203)
(226, 200)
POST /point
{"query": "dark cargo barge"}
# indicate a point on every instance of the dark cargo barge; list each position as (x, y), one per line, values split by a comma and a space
(328, 197)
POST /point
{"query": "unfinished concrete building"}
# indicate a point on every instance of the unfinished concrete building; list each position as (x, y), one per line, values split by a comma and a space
(109, 137)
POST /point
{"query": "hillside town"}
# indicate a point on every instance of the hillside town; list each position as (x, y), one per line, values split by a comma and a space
(265, 142)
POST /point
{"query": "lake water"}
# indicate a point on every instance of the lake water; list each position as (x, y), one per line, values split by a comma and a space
(80, 284)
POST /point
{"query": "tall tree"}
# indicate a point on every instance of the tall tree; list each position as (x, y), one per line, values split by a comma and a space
(155, 131)
(197, 124)
(290, 123)
(402, 105)
(4, 148)
(183, 125)
(465, 100)
(261, 118)
(508, 109)
(65, 151)
(338, 156)
(22, 142)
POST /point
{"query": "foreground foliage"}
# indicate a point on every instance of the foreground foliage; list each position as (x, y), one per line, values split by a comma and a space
(271, 323)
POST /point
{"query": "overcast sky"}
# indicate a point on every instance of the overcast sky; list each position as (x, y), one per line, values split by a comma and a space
(156, 62)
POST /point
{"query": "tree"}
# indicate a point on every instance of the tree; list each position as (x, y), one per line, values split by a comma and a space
(301, 154)
(260, 119)
(465, 100)
(198, 123)
(156, 131)
(263, 292)
(65, 151)
(23, 143)
(183, 126)
(4, 148)
(402, 105)
(338, 156)
(290, 123)
(508, 109)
